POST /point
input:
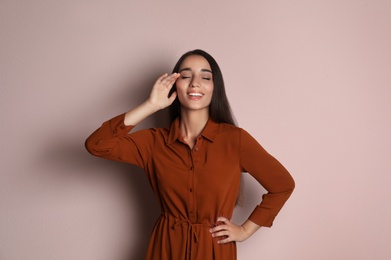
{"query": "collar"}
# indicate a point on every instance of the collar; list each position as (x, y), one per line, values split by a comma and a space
(209, 132)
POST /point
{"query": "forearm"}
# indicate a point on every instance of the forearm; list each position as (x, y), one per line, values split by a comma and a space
(250, 227)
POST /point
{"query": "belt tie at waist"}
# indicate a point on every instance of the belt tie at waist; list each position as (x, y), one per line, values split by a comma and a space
(190, 225)
(192, 236)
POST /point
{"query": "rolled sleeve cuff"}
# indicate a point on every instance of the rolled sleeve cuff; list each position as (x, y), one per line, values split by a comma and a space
(118, 127)
(262, 217)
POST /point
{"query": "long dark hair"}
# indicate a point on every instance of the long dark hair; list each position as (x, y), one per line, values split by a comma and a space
(219, 109)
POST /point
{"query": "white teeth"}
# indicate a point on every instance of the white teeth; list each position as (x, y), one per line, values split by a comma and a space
(195, 94)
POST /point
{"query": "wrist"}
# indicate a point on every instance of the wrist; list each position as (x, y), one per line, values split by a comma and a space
(151, 106)
(245, 232)
(249, 228)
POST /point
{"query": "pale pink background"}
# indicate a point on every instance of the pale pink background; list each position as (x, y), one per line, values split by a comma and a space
(309, 79)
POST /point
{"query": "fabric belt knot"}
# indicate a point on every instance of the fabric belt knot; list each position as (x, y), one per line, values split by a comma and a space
(191, 231)
(192, 236)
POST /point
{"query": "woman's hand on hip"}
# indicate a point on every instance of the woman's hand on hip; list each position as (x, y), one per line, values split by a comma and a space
(230, 232)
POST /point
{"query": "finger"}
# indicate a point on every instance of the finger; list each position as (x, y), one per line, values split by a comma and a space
(168, 81)
(223, 220)
(172, 83)
(218, 228)
(162, 77)
(173, 77)
(172, 97)
(224, 241)
(223, 233)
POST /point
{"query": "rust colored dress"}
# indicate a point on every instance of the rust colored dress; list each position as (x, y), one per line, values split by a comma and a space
(195, 186)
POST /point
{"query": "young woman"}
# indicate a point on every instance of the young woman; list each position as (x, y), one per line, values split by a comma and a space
(194, 167)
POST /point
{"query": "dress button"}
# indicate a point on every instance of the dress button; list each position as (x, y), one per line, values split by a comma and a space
(191, 189)
(196, 148)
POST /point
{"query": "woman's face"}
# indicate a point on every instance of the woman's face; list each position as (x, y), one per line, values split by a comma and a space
(195, 83)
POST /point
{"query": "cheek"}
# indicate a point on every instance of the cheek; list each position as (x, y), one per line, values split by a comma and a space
(210, 87)
(181, 90)
(180, 85)
(210, 92)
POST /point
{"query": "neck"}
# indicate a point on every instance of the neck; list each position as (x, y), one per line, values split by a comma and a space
(192, 123)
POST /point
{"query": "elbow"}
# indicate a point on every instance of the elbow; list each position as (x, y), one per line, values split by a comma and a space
(287, 186)
(89, 145)
(293, 184)
(290, 186)
(96, 148)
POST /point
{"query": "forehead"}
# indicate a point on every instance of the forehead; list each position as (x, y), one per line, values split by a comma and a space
(195, 62)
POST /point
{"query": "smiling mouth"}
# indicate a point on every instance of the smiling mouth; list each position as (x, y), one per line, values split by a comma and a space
(195, 94)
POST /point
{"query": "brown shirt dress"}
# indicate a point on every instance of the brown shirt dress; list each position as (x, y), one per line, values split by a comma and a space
(195, 186)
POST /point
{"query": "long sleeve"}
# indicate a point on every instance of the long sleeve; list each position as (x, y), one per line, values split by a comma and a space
(271, 174)
(112, 141)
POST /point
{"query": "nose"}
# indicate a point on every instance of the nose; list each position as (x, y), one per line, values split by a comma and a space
(195, 82)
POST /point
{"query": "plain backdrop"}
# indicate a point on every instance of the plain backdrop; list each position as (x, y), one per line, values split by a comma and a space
(310, 80)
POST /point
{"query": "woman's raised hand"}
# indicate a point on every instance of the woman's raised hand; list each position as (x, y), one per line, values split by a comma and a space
(159, 95)
(158, 99)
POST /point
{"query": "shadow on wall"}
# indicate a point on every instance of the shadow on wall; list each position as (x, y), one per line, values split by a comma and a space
(145, 211)
(72, 168)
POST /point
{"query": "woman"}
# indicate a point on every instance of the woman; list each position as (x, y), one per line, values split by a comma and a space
(194, 167)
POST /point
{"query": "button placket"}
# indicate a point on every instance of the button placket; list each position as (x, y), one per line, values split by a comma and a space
(191, 196)
(195, 159)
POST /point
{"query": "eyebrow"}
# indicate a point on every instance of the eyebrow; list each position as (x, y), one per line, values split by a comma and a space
(203, 70)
